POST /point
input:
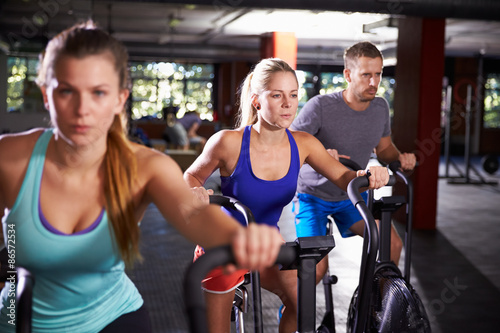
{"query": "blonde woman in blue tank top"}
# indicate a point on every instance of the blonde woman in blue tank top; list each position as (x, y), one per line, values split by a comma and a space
(75, 193)
(259, 163)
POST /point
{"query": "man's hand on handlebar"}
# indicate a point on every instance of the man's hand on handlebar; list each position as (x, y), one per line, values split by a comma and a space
(408, 161)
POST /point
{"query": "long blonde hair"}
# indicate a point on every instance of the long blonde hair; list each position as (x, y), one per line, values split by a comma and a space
(254, 84)
(80, 41)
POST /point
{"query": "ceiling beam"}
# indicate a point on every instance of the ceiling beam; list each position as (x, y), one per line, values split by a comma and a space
(465, 9)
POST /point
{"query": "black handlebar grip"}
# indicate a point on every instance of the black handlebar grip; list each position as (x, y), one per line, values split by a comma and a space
(353, 189)
(220, 200)
(350, 164)
(232, 203)
(392, 181)
(394, 166)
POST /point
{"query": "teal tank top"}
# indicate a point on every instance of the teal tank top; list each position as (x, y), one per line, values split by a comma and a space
(80, 280)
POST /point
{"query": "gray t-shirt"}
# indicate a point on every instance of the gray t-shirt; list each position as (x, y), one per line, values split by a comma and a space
(337, 126)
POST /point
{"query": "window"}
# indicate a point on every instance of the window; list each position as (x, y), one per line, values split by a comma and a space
(23, 95)
(156, 85)
(332, 82)
(386, 90)
(491, 118)
(307, 86)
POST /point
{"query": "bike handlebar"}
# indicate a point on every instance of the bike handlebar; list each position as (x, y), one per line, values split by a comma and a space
(229, 202)
(371, 239)
(350, 164)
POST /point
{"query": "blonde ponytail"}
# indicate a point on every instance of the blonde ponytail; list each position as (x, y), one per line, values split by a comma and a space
(121, 171)
(247, 113)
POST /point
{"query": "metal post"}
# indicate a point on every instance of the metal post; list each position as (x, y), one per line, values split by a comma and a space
(467, 132)
(447, 131)
(257, 302)
(385, 235)
(306, 293)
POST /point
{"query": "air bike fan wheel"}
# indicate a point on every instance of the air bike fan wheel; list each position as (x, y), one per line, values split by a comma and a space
(394, 307)
(385, 301)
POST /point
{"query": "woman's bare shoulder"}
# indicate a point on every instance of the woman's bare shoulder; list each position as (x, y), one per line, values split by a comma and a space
(227, 135)
(145, 155)
(18, 145)
(15, 154)
(152, 163)
(302, 137)
(220, 144)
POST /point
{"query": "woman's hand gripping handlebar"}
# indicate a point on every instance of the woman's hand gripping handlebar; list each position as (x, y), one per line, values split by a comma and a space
(378, 176)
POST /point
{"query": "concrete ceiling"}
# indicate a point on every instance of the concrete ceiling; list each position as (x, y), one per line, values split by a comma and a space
(221, 30)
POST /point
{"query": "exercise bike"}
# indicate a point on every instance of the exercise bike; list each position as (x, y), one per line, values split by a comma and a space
(384, 301)
(241, 299)
(328, 322)
(303, 255)
(309, 251)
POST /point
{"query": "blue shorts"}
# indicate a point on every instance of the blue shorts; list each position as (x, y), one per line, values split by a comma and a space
(311, 215)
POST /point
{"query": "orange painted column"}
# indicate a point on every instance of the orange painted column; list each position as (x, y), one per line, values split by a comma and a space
(417, 108)
(281, 45)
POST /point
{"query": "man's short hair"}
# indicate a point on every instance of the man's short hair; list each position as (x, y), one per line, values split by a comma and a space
(358, 50)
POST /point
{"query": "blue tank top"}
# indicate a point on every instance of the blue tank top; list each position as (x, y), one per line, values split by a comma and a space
(265, 198)
(80, 283)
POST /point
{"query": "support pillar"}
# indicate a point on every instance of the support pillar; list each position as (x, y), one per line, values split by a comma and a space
(281, 45)
(417, 105)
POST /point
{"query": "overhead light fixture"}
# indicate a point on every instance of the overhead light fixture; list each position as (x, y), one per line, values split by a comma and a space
(390, 22)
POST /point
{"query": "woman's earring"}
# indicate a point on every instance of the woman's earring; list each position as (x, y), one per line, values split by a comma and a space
(257, 107)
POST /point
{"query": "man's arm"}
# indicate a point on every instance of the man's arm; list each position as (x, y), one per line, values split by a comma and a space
(387, 152)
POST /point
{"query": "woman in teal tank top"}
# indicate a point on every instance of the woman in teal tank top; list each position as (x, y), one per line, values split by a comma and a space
(73, 196)
(259, 164)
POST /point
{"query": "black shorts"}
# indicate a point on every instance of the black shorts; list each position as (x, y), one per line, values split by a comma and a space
(132, 322)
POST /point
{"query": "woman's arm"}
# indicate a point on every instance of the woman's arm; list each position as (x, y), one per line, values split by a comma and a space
(320, 160)
(15, 153)
(215, 155)
(203, 224)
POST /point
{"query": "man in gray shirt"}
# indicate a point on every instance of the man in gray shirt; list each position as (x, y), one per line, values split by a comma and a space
(352, 124)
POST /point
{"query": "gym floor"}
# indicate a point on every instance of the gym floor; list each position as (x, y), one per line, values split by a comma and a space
(455, 268)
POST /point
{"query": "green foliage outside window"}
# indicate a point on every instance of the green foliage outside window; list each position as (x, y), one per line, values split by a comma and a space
(386, 90)
(307, 86)
(154, 86)
(332, 82)
(185, 86)
(22, 93)
(491, 118)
